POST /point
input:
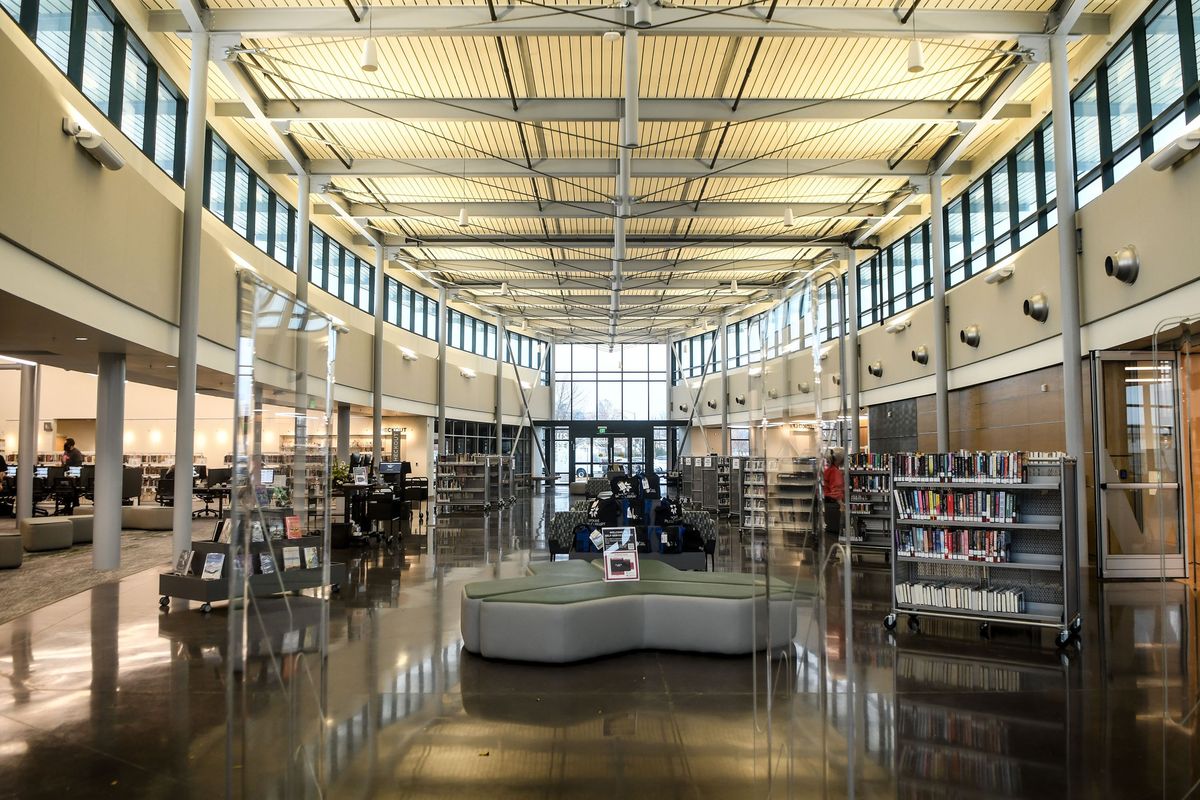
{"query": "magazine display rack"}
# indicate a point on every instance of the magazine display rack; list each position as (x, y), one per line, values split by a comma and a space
(988, 537)
(189, 580)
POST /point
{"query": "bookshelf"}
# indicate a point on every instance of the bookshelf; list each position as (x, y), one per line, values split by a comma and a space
(736, 474)
(869, 495)
(724, 480)
(987, 537)
(685, 479)
(476, 483)
(754, 496)
(791, 495)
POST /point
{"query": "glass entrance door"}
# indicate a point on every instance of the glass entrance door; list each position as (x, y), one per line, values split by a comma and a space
(1137, 465)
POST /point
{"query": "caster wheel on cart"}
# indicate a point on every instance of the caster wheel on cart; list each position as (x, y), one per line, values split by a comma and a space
(337, 587)
(206, 608)
(1063, 638)
(985, 630)
(1076, 626)
(164, 601)
(889, 622)
(914, 624)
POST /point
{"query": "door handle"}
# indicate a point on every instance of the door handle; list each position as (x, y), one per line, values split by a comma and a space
(1104, 485)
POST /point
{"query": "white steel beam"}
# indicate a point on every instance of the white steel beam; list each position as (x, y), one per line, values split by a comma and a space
(659, 210)
(490, 289)
(583, 109)
(599, 268)
(476, 20)
(325, 170)
(517, 246)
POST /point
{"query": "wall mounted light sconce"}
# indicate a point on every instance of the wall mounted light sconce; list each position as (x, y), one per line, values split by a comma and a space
(1123, 264)
(683, 407)
(875, 368)
(712, 404)
(896, 326)
(998, 274)
(1037, 307)
(93, 144)
(740, 399)
(754, 372)
(837, 379)
(969, 336)
(407, 354)
(772, 393)
(921, 355)
(804, 386)
(468, 373)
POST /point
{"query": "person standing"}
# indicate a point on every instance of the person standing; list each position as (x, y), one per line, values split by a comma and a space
(71, 456)
(833, 489)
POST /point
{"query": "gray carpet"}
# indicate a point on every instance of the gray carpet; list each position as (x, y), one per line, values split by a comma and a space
(46, 578)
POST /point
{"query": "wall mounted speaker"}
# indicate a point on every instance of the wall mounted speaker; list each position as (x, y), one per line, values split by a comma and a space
(1037, 308)
(771, 393)
(921, 355)
(875, 368)
(837, 379)
(712, 404)
(740, 399)
(969, 336)
(804, 387)
(683, 407)
(1123, 264)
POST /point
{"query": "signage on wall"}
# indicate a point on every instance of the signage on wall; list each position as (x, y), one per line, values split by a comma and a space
(601, 429)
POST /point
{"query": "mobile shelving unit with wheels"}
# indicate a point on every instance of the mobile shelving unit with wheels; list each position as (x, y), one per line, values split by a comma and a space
(986, 537)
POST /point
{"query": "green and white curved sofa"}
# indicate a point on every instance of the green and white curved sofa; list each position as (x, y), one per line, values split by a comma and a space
(564, 611)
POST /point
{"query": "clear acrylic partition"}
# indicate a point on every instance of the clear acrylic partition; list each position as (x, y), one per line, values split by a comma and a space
(803, 723)
(279, 547)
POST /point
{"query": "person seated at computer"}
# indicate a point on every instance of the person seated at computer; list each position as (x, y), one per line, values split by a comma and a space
(71, 457)
(3, 473)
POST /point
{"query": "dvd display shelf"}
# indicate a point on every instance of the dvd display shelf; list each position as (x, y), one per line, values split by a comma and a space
(723, 487)
(990, 540)
(869, 497)
(277, 565)
(685, 478)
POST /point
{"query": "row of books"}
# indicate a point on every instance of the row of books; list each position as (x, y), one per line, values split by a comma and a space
(869, 483)
(954, 545)
(1001, 466)
(964, 506)
(958, 596)
(213, 566)
(278, 528)
(870, 460)
(954, 728)
(975, 676)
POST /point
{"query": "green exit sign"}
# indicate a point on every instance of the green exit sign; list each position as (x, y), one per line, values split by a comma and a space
(601, 429)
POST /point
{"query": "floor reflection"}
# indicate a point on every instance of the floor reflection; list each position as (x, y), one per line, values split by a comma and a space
(102, 694)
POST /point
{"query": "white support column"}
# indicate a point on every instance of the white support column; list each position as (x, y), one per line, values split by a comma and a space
(851, 376)
(722, 356)
(110, 440)
(27, 440)
(377, 362)
(343, 432)
(937, 246)
(189, 293)
(300, 245)
(443, 315)
(501, 339)
(303, 241)
(1068, 273)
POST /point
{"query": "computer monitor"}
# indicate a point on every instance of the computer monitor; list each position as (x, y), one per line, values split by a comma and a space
(41, 472)
(218, 476)
(199, 472)
(12, 472)
(74, 472)
(266, 476)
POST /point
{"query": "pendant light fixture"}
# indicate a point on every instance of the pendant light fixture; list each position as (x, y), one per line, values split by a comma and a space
(464, 220)
(916, 57)
(789, 219)
(369, 62)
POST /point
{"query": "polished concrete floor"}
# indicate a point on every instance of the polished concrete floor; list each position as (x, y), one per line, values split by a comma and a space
(371, 695)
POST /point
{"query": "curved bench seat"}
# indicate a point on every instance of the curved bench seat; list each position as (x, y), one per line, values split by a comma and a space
(566, 612)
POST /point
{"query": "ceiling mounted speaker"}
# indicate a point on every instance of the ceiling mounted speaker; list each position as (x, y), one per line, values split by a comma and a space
(875, 368)
(1123, 264)
(969, 336)
(921, 355)
(712, 404)
(1037, 308)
